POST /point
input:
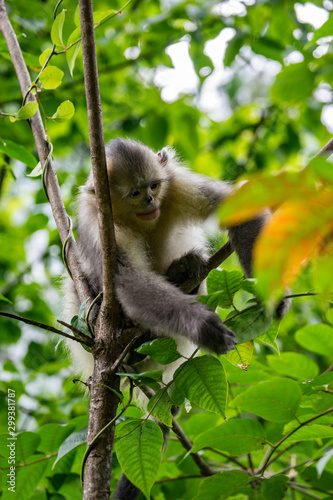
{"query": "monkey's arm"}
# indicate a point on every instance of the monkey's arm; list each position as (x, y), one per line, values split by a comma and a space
(242, 238)
(194, 196)
(150, 300)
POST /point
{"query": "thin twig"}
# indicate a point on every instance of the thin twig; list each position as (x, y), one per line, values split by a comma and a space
(47, 457)
(303, 491)
(179, 478)
(122, 356)
(48, 328)
(267, 461)
(228, 457)
(76, 330)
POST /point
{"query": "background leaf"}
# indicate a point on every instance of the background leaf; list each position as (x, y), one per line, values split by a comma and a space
(202, 380)
(275, 400)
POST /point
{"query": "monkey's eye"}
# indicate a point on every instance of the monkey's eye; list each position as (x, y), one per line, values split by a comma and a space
(154, 186)
(135, 193)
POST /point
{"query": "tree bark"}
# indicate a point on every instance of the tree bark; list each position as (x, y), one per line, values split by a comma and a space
(108, 340)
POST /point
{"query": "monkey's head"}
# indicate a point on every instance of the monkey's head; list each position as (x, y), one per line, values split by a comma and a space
(138, 182)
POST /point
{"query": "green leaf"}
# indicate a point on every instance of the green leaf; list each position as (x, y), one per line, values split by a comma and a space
(79, 321)
(312, 432)
(64, 112)
(252, 323)
(27, 480)
(222, 286)
(317, 384)
(249, 285)
(57, 28)
(275, 400)
(224, 485)
(73, 441)
(269, 337)
(51, 77)
(27, 111)
(100, 16)
(37, 171)
(237, 437)
(325, 30)
(44, 55)
(321, 464)
(163, 351)
(77, 17)
(72, 53)
(233, 49)
(24, 444)
(316, 338)
(294, 364)
(160, 407)
(293, 84)
(17, 152)
(203, 381)
(275, 487)
(139, 452)
(4, 299)
(52, 435)
(241, 355)
(175, 395)
(149, 378)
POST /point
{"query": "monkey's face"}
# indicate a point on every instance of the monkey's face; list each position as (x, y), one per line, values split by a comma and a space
(138, 182)
(138, 201)
(145, 202)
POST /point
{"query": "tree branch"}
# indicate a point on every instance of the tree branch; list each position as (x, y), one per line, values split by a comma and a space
(186, 443)
(98, 159)
(109, 339)
(83, 340)
(57, 205)
(213, 262)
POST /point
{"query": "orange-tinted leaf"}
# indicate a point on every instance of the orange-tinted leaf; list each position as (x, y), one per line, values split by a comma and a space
(261, 191)
(293, 235)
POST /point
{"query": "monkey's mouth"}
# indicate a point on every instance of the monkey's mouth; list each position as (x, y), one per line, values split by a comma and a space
(149, 215)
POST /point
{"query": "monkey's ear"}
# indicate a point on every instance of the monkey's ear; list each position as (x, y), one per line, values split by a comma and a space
(163, 156)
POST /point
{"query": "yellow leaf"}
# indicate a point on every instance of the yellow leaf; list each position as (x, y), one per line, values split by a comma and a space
(293, 235)
(264, 190)
(241, 355)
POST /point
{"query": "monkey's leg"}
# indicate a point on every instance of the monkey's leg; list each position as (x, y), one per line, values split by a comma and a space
(150, 300)
(125, 490)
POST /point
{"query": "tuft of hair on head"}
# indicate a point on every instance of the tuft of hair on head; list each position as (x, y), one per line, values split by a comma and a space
(128, 155)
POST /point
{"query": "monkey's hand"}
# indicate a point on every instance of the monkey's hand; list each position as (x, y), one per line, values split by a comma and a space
(214, 335)
(190, 265)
